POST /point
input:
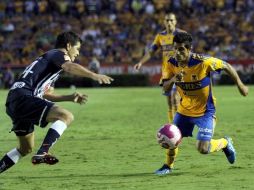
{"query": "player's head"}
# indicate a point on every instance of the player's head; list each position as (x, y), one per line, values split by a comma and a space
(69, 41)
(170, 22)
(182, 46)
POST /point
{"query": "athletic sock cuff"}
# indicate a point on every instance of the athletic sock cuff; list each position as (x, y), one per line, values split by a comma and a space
(59, 126)
(14, 155)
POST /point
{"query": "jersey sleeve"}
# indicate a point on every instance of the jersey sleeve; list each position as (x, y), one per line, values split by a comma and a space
(58, 58)
(214, 65)
(156, 43)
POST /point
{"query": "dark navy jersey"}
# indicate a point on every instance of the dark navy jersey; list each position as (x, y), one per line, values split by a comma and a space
(37, 78)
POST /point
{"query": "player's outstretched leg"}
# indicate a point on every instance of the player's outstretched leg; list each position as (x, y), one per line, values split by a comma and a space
(9, 160)
(230, 151)
(56, 130)
(170, 159)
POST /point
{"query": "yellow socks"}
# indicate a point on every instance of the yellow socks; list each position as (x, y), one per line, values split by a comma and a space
(171, 114)
(171, 153)
(170, 156)
(216, 145)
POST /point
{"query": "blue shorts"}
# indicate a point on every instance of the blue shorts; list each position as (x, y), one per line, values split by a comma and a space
(205, 124)
(170, 93)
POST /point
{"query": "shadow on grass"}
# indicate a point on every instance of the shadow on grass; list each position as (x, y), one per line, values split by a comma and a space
(236, 167)
(129, 175)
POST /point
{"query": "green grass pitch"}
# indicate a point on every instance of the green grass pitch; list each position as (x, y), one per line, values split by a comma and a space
(111, 145)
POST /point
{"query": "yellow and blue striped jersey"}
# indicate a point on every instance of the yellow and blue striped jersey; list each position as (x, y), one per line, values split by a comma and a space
(195, 88)
(164, 41)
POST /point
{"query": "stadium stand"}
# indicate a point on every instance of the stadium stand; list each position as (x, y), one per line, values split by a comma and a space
(117, 31)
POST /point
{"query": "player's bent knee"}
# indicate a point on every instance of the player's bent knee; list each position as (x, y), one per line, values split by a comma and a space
(70, 118)
(203, 147)
(66, 117)
(58, 113)
(203, 150)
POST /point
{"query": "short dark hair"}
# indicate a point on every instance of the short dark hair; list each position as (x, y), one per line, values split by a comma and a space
(170, 13)
(67, 37)
(183, 37)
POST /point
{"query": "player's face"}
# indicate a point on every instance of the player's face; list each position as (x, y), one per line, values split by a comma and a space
(73, 51)
(181, 52)
(170, 22)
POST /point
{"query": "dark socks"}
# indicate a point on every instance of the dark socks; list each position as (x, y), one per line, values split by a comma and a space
(6, 163)
(49, 140)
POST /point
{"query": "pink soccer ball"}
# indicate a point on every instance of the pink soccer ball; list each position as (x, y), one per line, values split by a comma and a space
(169, 136)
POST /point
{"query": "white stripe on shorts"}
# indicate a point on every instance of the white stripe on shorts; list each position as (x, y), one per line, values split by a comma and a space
(42, 114)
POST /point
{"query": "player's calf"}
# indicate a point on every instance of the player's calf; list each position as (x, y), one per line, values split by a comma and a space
(25, 152)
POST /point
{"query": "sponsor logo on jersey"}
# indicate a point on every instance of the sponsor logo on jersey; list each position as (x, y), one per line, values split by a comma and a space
(167, 48)
(194, 77)
(17, 85)
(190, 85)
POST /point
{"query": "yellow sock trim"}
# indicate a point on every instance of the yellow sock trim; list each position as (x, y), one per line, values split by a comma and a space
(170, 156)
(216, 145)
(171, 114)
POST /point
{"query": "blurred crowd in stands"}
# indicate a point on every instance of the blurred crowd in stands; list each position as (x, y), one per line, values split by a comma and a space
(118, 31)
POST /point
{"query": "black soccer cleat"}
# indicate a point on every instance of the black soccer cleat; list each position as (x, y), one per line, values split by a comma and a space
(164, 170)
(45, 158)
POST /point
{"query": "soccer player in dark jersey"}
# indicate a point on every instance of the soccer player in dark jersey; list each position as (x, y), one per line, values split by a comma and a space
(163, 42)
(29, 100)
(191, 73)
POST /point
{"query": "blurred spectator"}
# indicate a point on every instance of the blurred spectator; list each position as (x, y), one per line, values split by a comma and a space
(94, 65)
(112, 29)
(8, 78)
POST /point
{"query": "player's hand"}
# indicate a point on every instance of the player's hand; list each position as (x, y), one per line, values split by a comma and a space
(167, 86)
(103, 79)
(79, 98)
(179, 77)
(244, 90)
(138, 66)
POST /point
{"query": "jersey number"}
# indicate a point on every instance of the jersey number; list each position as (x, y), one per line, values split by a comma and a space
(29, 69)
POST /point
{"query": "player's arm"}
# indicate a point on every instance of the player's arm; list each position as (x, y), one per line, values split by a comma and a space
(75, 97)
(169, 77)
(233, 74)
(81, 71)
(152, 50)
(144, 59)
(168, 84)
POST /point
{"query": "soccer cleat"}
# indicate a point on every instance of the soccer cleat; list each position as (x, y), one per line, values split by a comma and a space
(229, 151)
(44, 158)
(164, 170)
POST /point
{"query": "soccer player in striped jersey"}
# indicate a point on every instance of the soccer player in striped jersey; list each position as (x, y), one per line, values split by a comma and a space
(163, 42)
(29, 100)
(192, 75)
